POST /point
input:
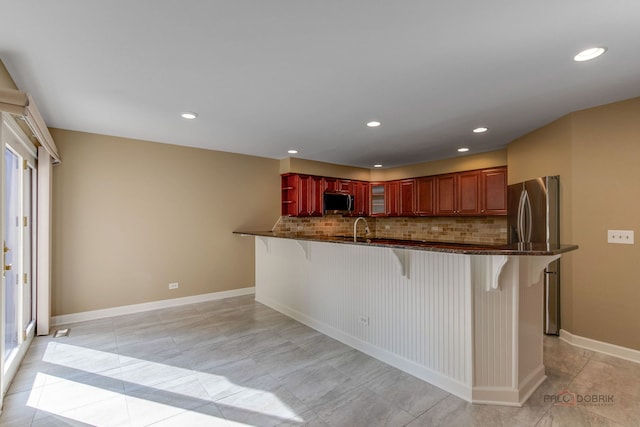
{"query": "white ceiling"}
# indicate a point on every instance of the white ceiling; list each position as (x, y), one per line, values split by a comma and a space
(267, 76)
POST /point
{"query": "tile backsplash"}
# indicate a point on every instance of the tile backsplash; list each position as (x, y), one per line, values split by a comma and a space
(487, 230)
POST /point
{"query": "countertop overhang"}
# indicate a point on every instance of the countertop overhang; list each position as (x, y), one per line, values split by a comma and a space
(519, 249)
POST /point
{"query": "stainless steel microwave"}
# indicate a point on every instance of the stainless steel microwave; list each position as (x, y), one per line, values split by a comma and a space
(338, 202)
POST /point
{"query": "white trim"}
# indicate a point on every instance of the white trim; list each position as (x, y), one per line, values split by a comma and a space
(600, 347)
(26, 148)
(17, 357)
(510, 396)
(147, 306)
(44, 229)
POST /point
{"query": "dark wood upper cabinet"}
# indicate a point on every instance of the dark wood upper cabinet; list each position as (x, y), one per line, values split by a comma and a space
(494, 191)
(391, 200)
(446, 194)
(330, 184)
(378, 196)
(425, 196)
(337, 185)
(469, 193)
(472, 193)
(310, 196)
(407, 197)
(289, 196)
(360, 191)
(302, 195)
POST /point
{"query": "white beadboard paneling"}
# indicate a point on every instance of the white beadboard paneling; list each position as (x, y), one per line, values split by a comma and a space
(494, 318)
(424, 319)
(436, 320)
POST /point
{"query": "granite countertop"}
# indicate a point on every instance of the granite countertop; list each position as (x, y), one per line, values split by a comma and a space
(531, 249)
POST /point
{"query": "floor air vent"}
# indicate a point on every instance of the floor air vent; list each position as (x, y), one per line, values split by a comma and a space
(61, 333)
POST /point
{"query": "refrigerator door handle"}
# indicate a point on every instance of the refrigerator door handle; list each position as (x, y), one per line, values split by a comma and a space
(520, 217)
(528, 223)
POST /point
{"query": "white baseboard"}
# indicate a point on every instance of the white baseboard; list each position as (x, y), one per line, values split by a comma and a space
(147, 306)
(600, 347)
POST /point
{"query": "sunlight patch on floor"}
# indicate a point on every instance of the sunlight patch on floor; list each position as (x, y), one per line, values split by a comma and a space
(93, 392)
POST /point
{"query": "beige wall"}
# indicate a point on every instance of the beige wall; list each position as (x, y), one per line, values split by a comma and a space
(548, 151)
(456, 164)
(312, 167)
(130, 217)
(6, 82)
(596, 153)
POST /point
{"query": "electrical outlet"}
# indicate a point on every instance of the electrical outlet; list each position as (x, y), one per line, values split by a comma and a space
(364, 320)
(174, 285)
(435, 228)
(623, 237)
(387, 227)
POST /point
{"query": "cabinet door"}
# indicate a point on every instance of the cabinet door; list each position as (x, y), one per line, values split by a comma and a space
(344, 185)
(316, 194)
(407, 197)
(360, 191)
(304, 195)
(378, 193)
(469, 193)
(330, 185)
(425, 196)
(392, 197)
(446, 194)
(494, 191)
(310, 192)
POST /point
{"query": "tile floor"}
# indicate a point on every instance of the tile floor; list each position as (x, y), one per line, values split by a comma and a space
(236, 362)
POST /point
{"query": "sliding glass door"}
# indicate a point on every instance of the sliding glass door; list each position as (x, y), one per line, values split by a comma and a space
(18, 235)
(11, 250)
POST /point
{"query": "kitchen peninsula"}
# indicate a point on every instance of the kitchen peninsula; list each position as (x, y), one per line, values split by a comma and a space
(464, 317)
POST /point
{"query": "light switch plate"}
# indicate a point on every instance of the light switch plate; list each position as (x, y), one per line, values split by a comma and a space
(622, 237)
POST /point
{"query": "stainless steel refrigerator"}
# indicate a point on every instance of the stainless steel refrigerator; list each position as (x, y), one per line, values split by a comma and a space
(533, 217)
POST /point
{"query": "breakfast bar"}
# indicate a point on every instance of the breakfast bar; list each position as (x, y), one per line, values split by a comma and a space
(464, 317)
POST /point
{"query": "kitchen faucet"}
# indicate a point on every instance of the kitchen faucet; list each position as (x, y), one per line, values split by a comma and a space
(355, 228)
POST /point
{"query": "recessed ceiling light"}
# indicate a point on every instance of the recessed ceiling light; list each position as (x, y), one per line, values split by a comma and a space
(377, 166)
(480, 130)
(374, 124)
(588, 54)
(292, 151)
(463, 150)
(189, 115)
